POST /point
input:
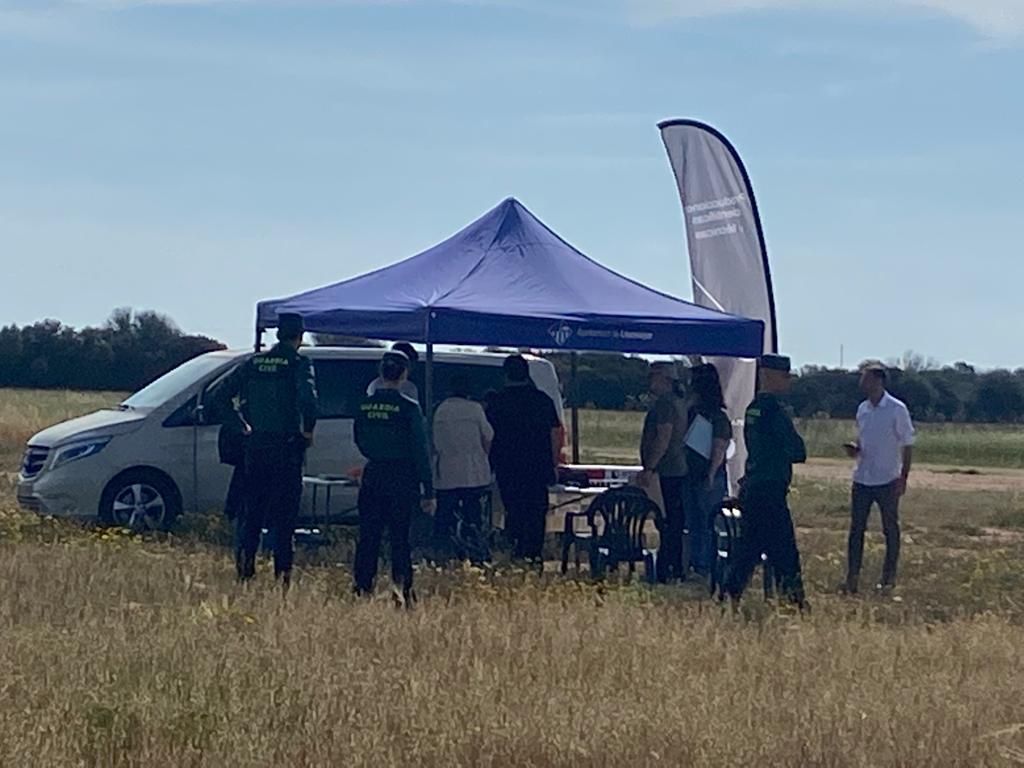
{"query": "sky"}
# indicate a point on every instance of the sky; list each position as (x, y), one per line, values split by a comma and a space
(195, 156)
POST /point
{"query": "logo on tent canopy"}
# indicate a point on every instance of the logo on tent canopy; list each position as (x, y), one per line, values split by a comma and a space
(561, 333)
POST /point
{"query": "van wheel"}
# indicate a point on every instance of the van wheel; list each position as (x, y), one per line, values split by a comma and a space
(141, 500)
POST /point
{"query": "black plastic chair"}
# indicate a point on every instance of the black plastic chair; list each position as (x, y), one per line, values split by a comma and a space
(615, 534)
(728, 532)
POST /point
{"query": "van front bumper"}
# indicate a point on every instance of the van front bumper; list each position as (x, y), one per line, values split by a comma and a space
(47, 494)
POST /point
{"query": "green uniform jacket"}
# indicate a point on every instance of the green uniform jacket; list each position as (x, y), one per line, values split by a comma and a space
(277, 389)
(390, 427)
(773, 445)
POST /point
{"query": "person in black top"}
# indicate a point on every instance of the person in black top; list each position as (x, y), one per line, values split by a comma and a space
(706, 471)
(524, 455)
(773, 447)
(277, 391)
(390, 432)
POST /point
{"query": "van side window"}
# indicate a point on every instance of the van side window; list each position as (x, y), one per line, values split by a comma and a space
(341, 385)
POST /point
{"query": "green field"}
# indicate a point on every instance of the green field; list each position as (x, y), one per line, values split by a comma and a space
(127, 650)
(608, 436)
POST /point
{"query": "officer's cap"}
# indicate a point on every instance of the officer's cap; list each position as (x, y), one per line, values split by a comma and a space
(290, 325)
(776, 363)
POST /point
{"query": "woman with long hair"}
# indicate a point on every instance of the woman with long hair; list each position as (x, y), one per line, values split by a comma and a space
(705, 459)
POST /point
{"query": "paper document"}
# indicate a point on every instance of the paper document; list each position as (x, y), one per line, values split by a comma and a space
(698, 436)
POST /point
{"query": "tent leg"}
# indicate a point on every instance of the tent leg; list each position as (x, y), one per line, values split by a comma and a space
(428, 380)
(574, 402)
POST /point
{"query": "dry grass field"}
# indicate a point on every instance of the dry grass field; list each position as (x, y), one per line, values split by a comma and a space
(118, 650)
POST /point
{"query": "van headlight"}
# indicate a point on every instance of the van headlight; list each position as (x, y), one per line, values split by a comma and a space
(81, 450)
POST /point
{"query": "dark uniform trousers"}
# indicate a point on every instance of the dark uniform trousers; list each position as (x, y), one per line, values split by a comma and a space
(273, 472)
(388, 498)
(526, 512)
(768, 529)
(862, 498)
(671, 556)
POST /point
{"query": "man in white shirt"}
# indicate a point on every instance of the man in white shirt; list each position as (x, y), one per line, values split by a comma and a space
(462, 441)
(885, 439)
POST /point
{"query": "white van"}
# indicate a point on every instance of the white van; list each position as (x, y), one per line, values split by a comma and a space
(150, 458)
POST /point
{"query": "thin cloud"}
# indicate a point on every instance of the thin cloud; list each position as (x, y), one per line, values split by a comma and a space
(995, 19)
(999, 19)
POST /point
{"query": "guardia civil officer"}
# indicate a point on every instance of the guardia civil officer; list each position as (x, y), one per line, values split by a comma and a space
(277, 390)
(773, 446)
(390, 432)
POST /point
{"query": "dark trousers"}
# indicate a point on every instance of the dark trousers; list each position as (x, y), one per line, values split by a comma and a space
(526, 512)
(454, 505)
(702, 504)
(862, 497)
(273, 480)
(768, 529)
(388, 497)
(234, 502)
(671, 563)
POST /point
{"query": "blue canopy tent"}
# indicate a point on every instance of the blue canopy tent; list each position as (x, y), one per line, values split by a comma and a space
(508, 280)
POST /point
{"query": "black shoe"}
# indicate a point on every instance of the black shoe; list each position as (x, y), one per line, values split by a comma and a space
(847, 588)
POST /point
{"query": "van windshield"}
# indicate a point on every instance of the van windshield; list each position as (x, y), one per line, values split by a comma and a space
(174, 382)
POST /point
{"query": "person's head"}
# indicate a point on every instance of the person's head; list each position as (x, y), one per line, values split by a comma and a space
(290, 329)
(409, 351)
(662, 377)
(394, 368)
(707, 387)
(517, 370)
(459, 385)
(774, 374)
(873, 377)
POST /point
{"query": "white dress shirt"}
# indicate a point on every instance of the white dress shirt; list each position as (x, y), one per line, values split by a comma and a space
(460, 431)
(883, 431)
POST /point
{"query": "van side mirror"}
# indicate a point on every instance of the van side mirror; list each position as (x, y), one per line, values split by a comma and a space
(199, 415)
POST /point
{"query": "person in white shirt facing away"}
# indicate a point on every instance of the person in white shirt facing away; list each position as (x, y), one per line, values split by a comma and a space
(462, 442)
(408, 389)
(885, 439)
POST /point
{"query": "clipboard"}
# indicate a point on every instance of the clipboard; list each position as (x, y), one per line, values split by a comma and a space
(699, 436)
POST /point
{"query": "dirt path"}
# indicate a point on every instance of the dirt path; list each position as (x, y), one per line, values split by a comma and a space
(932, 476)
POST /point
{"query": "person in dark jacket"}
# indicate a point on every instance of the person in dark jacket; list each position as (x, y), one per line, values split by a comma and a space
(277, 391)
(773, 447)
(391, 433)
(524, 456)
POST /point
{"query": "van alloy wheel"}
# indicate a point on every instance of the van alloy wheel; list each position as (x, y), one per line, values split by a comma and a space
(139, 507)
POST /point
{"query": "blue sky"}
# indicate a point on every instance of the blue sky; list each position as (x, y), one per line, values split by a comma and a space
(195, 156)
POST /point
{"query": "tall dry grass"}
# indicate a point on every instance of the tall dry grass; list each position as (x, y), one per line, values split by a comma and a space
(117, 653)
(23, 412)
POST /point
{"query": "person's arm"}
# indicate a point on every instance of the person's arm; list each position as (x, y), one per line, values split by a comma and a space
(486, 430)
(795, 446)
(905, 434)
(421, 451)
(307, 398)
(220, 399)
(719, 447)
(557, 434)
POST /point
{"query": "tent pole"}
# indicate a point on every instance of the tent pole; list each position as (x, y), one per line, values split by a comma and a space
(574, 400)
(428, 381)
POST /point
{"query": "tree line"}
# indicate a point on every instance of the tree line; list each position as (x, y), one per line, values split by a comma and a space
(133, 348)
(130, 350)
(953, 393)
